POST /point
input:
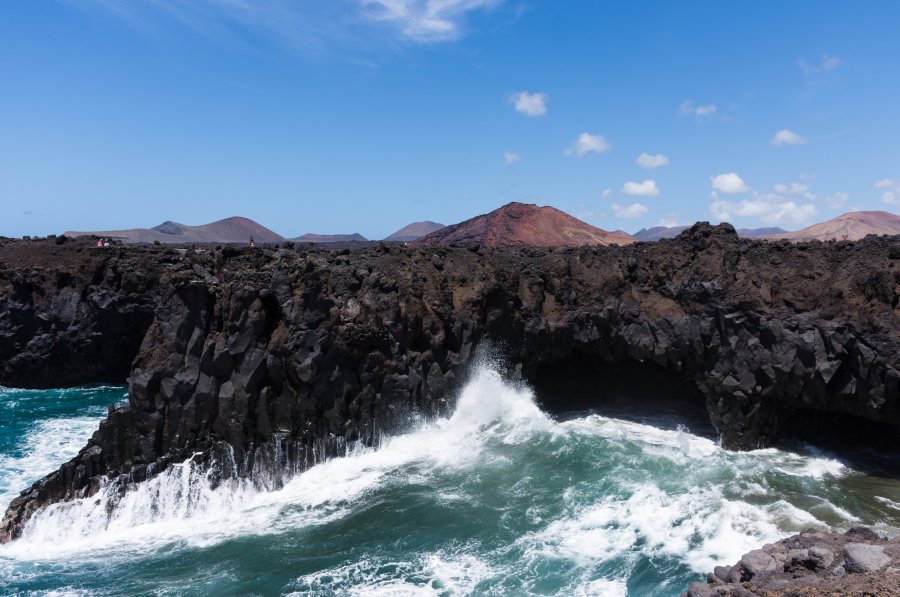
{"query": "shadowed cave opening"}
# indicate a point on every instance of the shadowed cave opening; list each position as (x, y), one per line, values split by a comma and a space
(862, 444)
(642, 392)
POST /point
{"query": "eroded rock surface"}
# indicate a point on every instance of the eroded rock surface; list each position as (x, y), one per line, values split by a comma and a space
(279, 356)
(812, 564)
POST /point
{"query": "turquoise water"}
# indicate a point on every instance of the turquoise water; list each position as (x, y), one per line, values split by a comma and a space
(497, 499)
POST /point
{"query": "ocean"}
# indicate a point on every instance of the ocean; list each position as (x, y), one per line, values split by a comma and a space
(499, 498)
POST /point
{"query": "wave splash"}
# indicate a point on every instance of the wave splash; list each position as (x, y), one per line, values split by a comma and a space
(586, 502)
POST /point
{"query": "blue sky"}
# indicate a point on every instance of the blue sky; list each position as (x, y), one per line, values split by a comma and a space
(336, 116)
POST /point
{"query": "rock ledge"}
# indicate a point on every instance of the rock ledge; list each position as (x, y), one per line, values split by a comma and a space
(858, 562)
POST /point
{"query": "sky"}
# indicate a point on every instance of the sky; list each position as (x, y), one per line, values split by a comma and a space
(340, 116)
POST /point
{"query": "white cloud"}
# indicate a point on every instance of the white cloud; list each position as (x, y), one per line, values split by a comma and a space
(646, 160)
(646, 188)
(635, 210)
(588, 143)
(667, 222)
(795, 188)
(312, 28)
(835, 201)
(510, 157)
(729, 183)
(690, 108)
(425, 20)
(529, 104)
(787, 137)
(892, 196)
(793, 203)
(769, 209)
(802, 190)
(826, 63)
(607, 193)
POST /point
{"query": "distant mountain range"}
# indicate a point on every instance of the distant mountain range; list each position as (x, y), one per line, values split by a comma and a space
(514, 224)
(853, 225)
(520, 224)
(661, 232)
(330, 238)
(229, 230)
(413, 231)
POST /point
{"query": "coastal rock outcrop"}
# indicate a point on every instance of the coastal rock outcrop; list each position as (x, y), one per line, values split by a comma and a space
(270, 359)
(72, 313)
(811, 564)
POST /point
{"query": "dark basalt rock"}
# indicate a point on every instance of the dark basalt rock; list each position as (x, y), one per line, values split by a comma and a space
(858, 562)
(298, 351)
(73, 314)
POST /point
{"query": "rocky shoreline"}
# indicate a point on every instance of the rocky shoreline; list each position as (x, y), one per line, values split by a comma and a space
(811, 564)
(308, 349)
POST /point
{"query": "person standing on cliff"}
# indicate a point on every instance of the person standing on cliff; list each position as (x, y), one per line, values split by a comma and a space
(252, 244)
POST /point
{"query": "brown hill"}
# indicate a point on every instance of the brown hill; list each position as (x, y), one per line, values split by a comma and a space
(850, 226)
(229, 230)
(519, 224)
(413, 231)
(331, 238)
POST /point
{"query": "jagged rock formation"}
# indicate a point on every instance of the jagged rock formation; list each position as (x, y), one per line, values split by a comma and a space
(659, 232)
(811, 564)
(71, 313)
(304, 348)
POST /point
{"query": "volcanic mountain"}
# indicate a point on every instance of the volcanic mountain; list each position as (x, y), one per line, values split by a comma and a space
(229, 230)
(330, 238)
(853, 225)
(520, 224)
(413, 231)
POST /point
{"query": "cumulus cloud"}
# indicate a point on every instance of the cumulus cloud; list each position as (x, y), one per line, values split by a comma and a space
(698, 111)
(803, 190)
(729, 183)
(794, 188)
(646, 160)
(510, 157)
(647, 188)
(790, 203)
(607, 193)
(529, 104)
(425, 20)
(825, 64)
(635, 210)
(771, 209)
(836, 200)
(588, 143)
(787, 137)
(891, 196)
(667, 222)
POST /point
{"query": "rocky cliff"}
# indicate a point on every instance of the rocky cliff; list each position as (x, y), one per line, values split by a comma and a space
(72, 313)
(278, 357)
